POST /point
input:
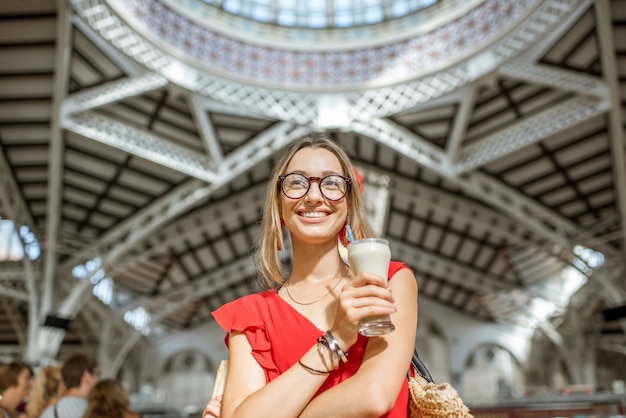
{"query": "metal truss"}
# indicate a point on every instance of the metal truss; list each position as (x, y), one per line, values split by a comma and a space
(613, 344)
(55, 170)
(288, 106)
(534, 216)
(455, 273)
(529, 131)
(482, 218)
(544, 222)
(14, 290)
(9, 353)
(17, 322)
(112, 92)
(135, 228)
(98, 15)
(193, 225)
(162, 306)
(141, 143)
(404, 142)
(556, 78)
(220, 279)
(115, 244)
(461, 122)
(11, 271)
(616, 116)
(207, 132)
(121, 239)
(12, 203)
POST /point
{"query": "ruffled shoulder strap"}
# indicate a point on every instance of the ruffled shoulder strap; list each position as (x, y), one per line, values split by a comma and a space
(249, 315)
(396, 266)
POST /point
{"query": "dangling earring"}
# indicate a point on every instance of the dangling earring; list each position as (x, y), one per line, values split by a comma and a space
(343, 252)
(342, 242)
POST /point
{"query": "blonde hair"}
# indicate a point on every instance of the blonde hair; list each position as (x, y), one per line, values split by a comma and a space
(45, 387)
(271, 271)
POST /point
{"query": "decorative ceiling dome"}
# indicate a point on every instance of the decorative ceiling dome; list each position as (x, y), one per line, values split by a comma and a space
(306, 45)
(321, 14)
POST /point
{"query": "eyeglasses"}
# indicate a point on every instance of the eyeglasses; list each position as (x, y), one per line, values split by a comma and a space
(333, 187)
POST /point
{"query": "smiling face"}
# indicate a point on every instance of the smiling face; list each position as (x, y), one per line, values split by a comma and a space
(313, 218)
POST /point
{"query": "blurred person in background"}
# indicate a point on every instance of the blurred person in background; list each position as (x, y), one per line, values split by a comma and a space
(48, 388)
(15, 383)
(109, 399)
(80, 375)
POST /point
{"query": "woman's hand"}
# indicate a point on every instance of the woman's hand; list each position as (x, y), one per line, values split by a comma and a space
(213, 408)
(365, 295)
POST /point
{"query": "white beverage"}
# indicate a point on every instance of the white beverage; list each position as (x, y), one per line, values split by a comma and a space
(372, 255)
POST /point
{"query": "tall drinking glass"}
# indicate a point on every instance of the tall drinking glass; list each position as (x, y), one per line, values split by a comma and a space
(372, 255)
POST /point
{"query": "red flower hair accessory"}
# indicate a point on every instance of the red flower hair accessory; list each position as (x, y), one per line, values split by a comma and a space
(358, 177)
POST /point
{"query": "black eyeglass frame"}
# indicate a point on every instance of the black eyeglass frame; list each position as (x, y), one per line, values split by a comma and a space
(319, 181)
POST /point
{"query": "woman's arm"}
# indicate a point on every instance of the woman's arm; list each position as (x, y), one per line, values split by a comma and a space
(373, 390)
(247, 395)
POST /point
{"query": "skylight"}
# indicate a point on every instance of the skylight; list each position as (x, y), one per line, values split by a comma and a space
(321, 14)
(11, 248)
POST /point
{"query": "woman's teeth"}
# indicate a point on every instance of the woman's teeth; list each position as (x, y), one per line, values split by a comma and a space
(313, 214)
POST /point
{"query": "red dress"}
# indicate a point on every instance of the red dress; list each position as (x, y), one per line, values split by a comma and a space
(280, 335)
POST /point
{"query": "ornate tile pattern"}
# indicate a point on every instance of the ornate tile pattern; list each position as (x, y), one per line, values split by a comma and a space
(292, 68)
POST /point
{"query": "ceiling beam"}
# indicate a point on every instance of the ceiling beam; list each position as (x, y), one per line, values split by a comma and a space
(557, 78)
(403, 141)
(529, 131)
(146, 222)
(455, 274)
(106, 23)
(12, 203)
(542, 46)
(192, 226)
(63, 50)
(207, 284)
(482, 218)
(141, 143)
(126, 64)
(219, 107)
(207, 130)
(616, 118)
(112, 92)
(461, 122)
(543, 221)
(133, 230)
(14, 293)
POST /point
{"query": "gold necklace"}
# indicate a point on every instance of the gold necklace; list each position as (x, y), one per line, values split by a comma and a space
(317, 300)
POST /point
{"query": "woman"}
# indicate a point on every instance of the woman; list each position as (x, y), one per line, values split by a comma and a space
(282, 360)
(108, 399)
(46, 390)
(15, 383)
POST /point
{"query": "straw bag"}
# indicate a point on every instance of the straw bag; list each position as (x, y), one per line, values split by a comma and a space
(428, 399)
